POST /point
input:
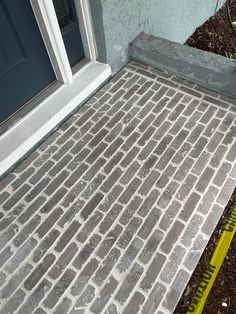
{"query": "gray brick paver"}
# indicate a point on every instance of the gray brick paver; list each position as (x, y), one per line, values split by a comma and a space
(172, 265)
(63, 261)
(105, 295)
(23, 235)
(58, 290)
(103, 272)
(175, 291)
(68, 200)
(105, 214)
(91, 223)
(154, 299)
(128, 285)
(150, 248)
(86, 251)
(153, 271)
(46, 243)
(39, 271)
(135, 303)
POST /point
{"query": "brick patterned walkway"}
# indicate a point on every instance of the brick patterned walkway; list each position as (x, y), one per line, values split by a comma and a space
(112, 212)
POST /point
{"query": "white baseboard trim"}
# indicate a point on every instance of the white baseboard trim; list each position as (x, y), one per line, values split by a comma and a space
(16, 142)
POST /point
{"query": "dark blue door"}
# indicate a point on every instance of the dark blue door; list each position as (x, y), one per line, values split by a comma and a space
(25, 68)
(68, 21)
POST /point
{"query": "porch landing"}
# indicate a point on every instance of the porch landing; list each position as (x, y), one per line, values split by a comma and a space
(112, 212)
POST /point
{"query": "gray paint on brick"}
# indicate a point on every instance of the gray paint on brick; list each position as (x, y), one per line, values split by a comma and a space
(84, 277)
(153, 271)
(191, 230)
(86, 251)
(170, 214)
(189, 206)
(148, 203)
(14, 302)
(106, 267)
(15, 281)
(90, 207)
(60, 287)
(129, 283)
(130, 254)
(49, 222)
(195, 252)
(26, 231)
(154, 299)
(89, 226)
(208, 200)
(135, 303)
(172, 236)
(150, 248)
(16, 197)
(46, 243)
(33, 301)
(119, 210)
(175, 292)
(21, 255)
(86, 297)
(39, 271)
(212, 219)
(63, 307)
(67, 236)
(63, 261)
(169, 271)
(5, 255)
(150, 223)
(105, 295)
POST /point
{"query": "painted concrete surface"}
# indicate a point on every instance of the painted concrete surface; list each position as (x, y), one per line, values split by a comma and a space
(112, 212)
(117, 22)
(177, 20)
(206, 69)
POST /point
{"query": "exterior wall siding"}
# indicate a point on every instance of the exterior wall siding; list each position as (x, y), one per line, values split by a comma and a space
(117, 22)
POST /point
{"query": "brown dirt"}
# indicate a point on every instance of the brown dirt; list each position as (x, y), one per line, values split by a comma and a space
(216, 35)
(224, 288)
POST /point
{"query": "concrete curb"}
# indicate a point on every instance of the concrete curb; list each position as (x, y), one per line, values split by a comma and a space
(205, 69)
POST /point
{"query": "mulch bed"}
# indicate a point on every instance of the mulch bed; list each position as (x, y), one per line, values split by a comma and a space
(217, 35)
(224, 288)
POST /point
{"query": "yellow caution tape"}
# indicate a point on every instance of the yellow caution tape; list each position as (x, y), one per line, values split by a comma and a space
(217, 259)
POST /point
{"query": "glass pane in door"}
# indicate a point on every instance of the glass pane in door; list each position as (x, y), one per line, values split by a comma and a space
(64, 13)
(69, 25)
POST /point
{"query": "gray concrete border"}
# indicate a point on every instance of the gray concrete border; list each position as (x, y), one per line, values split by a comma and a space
(206, 69)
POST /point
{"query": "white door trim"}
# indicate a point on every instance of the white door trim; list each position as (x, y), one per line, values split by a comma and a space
(48, 25)
(16, 142)
(86, 29)
(46, 18)
(26, 133)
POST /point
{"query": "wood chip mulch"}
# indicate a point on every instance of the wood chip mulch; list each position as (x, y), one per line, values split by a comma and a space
(216, 35)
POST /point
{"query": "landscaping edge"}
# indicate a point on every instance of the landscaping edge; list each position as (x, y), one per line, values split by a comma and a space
(206, 69)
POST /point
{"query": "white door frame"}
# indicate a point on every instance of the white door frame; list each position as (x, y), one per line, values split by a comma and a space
(47, 21)
(86, 29)
(75, 88)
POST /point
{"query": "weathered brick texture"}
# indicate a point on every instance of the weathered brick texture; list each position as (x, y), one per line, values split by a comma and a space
(112, 212)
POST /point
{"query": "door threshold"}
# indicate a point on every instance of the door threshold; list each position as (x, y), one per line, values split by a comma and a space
(26, 133)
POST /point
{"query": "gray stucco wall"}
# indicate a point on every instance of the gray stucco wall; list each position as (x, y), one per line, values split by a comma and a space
(177, 20)
(118, 22)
